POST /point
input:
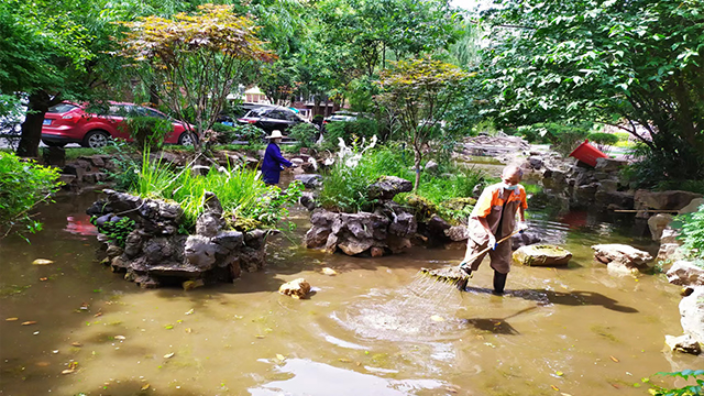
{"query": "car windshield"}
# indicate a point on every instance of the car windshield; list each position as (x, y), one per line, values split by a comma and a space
(61, 108)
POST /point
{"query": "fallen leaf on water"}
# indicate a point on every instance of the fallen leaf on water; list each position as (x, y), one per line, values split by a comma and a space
(42, 262)
(190, 311)
(452, 388)
(29, 322)
(345, 360)
(11, 319)
(71, 368)
(560, 373)
(169, 327)
(565, 394)
(169, 355)
(42, 364)
(260, 336)
(329, 271)
(280, 357)
(614, 359)
(43, 279)
(98, 314)
(145, 387)
(188, 330)
(76, 344)
(436, 318)
(120, 337)
(555, 388)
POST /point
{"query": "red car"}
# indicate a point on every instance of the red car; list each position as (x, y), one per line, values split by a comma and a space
(69, 123)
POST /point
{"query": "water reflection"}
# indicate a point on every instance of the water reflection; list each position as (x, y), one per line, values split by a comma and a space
(317, 379)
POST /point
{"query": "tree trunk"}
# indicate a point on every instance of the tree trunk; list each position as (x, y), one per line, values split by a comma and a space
(153, 96)
(39, 103)
(417, 166)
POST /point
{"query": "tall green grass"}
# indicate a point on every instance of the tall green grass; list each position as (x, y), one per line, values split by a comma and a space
(246, 200)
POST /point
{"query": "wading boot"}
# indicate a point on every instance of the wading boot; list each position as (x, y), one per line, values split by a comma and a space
(499, 283)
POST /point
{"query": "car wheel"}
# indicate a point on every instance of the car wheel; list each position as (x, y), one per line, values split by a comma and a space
(187, 139)
(96, 139)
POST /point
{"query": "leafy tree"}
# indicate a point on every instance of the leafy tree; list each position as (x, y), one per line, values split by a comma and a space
(621, 63)
(420, 93)
(194, 60)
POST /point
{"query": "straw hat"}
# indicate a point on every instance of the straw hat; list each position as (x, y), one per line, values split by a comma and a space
(275, 134)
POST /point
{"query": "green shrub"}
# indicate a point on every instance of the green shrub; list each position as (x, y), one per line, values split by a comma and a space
(623, 136)
(247, 201)
(603, 138)
(654, 170)
(692, 234)
(149, 132)
(23, 186)
(226, 134)
(351, 130)
(305, 134)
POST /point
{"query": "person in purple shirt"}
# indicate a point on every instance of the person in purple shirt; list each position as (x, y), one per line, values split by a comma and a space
(273, 160)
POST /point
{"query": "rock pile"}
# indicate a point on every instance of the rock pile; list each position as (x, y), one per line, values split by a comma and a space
(156, 253)
(388, 229)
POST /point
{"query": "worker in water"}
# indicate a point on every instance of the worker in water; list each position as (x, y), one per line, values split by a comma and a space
(274, 162)
(493, 218)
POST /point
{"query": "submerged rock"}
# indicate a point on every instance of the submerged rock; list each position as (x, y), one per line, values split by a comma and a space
(542, 255)
(621, 259)
(297, 288)
(684, 343)
(310, 180)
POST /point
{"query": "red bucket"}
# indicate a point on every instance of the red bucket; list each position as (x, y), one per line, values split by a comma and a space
(587, 153)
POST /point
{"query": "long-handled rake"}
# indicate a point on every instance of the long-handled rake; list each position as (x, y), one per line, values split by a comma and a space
(452, 275)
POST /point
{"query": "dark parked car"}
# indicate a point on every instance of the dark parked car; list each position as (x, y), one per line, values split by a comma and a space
(269, 119)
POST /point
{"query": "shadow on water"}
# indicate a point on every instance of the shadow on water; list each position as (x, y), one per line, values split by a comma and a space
(496, 325)
(573, 298)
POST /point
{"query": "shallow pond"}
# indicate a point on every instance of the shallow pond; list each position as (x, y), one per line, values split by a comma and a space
(374, 329)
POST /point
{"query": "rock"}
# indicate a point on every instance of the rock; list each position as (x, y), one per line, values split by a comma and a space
(693, 206)
(684, 343)
(352, 246)
(200, 252)
(669, 236)
(535, 162)
(542, 255)
(68, 181)
(387, 187)
(308, 200)
(524, 238)
(457, 233)
(669, 252)
(97, 160)
(114, 251)
(609, 164)
(192, 284)
(657, 224)
(75, 170)
(663, 200)
(584, 195)
(686, 273)
(628, 255)
(431, 166)
(310, 180)
(297, 288)
(692, 312)
(614, 199)
(211, 203)
(377, 251)
(94, 177)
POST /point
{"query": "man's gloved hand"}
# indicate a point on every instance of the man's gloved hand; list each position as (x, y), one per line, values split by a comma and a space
(492, 241)
(522, 226)
(294, 166)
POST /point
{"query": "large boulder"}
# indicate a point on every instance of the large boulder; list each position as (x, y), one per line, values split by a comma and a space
(657, 224)
(387, 187)
(621, 259)
(685, 273)
(542, 255)
(693, 206)
(692, 312)
(664, 200)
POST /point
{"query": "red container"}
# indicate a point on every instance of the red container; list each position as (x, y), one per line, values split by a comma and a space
(587, 153)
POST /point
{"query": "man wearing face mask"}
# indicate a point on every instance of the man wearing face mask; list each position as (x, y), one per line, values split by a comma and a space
(493, 218)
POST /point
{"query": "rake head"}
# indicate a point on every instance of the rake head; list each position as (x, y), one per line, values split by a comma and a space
(448, 275)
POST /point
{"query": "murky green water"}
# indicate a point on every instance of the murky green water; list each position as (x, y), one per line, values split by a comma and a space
(364, 332)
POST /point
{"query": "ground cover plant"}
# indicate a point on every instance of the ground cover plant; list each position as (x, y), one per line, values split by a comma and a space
(692, 234)
(23, 186)
(248, 202)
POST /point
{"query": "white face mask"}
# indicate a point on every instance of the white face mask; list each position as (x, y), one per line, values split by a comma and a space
(510, 188)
